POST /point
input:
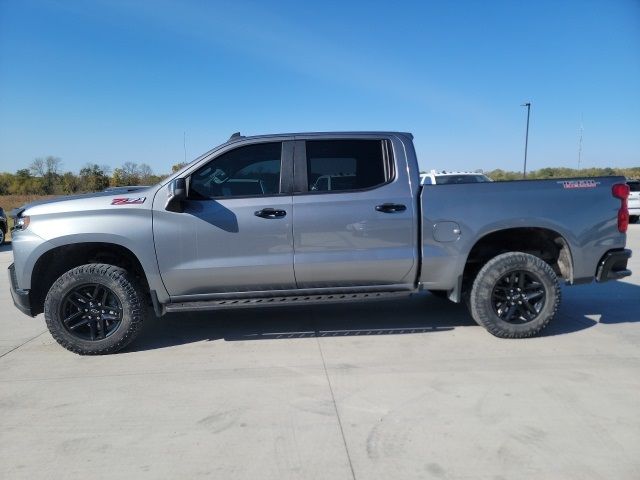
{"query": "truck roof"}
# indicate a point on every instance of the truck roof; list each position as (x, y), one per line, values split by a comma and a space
(238, 136)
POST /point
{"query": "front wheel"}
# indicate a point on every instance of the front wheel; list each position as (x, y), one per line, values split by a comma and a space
(515, 295)
(95, 309)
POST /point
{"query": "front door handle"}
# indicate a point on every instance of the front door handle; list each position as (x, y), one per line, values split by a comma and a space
(391, 207)
(270, 213)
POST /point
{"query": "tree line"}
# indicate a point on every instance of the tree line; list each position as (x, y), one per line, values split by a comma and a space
(561, 172)
(45, 176)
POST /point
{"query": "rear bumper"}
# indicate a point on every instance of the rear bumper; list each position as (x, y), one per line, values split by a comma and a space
(20, 297)
(613, 265)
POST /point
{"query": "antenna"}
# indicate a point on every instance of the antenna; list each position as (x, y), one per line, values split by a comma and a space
(580, 141)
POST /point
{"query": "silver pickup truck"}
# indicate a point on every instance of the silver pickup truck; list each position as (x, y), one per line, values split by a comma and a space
(312, 218)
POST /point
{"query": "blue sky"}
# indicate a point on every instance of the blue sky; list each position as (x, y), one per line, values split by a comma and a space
(115, 81)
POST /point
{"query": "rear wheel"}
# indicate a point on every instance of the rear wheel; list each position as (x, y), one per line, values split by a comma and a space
(2, 236)
(515, 295)
(95, 309)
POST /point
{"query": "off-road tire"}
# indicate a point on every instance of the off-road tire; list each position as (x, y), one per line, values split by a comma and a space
(480, 301)
(121, 283)
(3, 236)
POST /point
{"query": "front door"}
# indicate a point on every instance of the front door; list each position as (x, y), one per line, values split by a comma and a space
(235, 233)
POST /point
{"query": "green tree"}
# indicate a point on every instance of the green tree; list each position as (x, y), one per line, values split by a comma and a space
(93, 178)
(6, 179)
(178, 166)
(69, 183)
(48, 170)
(145, 174)
(128, 174)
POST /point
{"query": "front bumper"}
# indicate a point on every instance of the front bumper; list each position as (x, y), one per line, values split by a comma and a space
(613, 265)
(20, 297)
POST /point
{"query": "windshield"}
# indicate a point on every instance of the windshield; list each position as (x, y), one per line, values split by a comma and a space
(634, 186)
(448, 179)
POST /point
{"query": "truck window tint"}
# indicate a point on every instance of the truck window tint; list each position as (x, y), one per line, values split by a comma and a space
(338, 165)
(448, 179)
(245, 171)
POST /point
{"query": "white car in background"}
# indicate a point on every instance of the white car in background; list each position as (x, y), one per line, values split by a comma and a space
(634, 200)
(443, 177)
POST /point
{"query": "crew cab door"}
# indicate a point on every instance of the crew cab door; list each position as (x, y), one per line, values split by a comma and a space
(355, 221)
(235, 231)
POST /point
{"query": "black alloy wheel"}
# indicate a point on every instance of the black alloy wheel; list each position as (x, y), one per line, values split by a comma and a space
(91, 312)
(95, 309)
(514, 295)
(518, 297)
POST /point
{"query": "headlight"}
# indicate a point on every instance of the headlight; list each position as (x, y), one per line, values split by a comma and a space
(21, 223)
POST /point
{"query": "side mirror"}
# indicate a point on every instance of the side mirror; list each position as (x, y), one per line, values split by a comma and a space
(177, 195)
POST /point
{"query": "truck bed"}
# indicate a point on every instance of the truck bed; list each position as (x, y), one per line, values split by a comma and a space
(583, 212)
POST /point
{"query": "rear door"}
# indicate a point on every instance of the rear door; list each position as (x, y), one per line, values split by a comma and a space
(354, 214)
(235, 233)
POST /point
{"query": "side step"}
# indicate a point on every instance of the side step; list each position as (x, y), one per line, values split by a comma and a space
(281, 301)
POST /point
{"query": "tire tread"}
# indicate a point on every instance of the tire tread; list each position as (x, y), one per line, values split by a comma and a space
(134, 299)
(488, 319)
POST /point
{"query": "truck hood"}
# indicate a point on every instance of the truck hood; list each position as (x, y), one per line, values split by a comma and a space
(86, 201)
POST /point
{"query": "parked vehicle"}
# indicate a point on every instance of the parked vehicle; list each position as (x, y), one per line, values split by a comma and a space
(3, 226)
(94, 263)
(445, 178)
(634, 200)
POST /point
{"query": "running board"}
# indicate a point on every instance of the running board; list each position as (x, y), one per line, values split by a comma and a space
(281, 301)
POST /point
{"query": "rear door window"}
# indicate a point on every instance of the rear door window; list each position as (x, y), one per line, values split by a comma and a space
(347, 165)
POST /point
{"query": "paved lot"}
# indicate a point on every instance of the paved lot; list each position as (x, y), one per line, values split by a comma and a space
(388, 390)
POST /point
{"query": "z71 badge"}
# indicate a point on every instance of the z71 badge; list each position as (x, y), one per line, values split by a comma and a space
(128, 201)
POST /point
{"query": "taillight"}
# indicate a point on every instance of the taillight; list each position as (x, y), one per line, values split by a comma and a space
(621, 191)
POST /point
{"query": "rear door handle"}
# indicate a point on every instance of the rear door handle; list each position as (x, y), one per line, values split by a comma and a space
(391, 207)
(270, 213)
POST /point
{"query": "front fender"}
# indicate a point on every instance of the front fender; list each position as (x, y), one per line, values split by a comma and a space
(128, 228)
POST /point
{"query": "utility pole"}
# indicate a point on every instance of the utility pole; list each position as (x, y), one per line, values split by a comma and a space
(580, 143)
(184, 145)
(526, 139)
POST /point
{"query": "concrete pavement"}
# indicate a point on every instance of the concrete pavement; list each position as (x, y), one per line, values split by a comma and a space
(393, 390)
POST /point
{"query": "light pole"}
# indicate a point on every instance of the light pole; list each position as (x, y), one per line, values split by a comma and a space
(526, 138)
